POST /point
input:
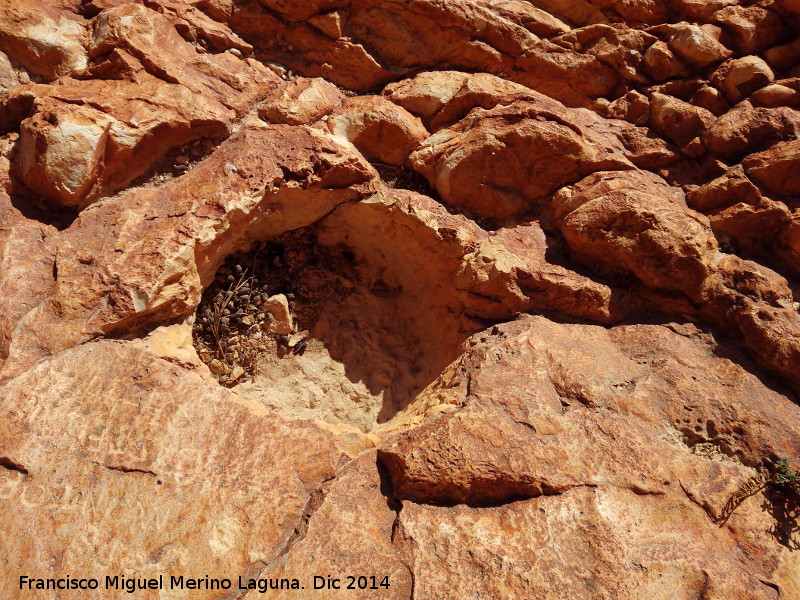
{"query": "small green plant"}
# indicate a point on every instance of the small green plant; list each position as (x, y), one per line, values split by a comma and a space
(786, 477)
(779, 476)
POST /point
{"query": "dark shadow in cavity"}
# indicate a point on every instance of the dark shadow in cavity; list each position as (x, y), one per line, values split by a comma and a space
(43, 211)
(362, 324)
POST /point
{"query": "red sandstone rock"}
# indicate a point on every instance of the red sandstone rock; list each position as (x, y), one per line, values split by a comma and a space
(677, 120)
(751, 28)
(60, 151)
(383, 40)
(550, 465)
(456, 405)
(46, 39)
(73, 157)
(776, 169)
(9, 76)
(302, 102)
(381, 130)
(762, 228)
(248, 188)
(746, 129)
(442, 98)
(353, 527)
(635, 222)
(26, 276)
(633, 107)
(484, 164)
(783, 56)
(741, 77)
(133, 461)
(697, 46)
(711, 99)
(660, 63)
(783, 93)
(730, 188)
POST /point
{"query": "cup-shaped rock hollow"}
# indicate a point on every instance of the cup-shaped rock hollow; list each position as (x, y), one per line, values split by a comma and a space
(349, 319)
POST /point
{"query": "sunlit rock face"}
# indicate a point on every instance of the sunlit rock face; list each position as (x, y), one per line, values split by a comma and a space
(468, 299)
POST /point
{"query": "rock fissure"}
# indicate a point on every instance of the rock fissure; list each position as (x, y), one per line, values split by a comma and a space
(476, 494)
(315, 501)
(124, 469)
(10, 465)
(693, 499)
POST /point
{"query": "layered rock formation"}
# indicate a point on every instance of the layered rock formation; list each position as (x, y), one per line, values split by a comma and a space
(473, 299)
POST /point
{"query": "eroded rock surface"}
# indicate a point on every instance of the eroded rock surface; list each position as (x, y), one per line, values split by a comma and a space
(482, 299)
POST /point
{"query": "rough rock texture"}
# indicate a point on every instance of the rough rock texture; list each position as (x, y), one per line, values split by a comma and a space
(145, 98)
(499, 163)
(302, 102)
(480, 298)
(383, 131)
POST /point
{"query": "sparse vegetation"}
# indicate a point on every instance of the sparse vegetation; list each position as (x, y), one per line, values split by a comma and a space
(787, 478)
(230, 312)
(778, 475)
(233, 330)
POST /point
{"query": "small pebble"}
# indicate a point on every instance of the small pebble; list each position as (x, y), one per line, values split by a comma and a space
(217, 367)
